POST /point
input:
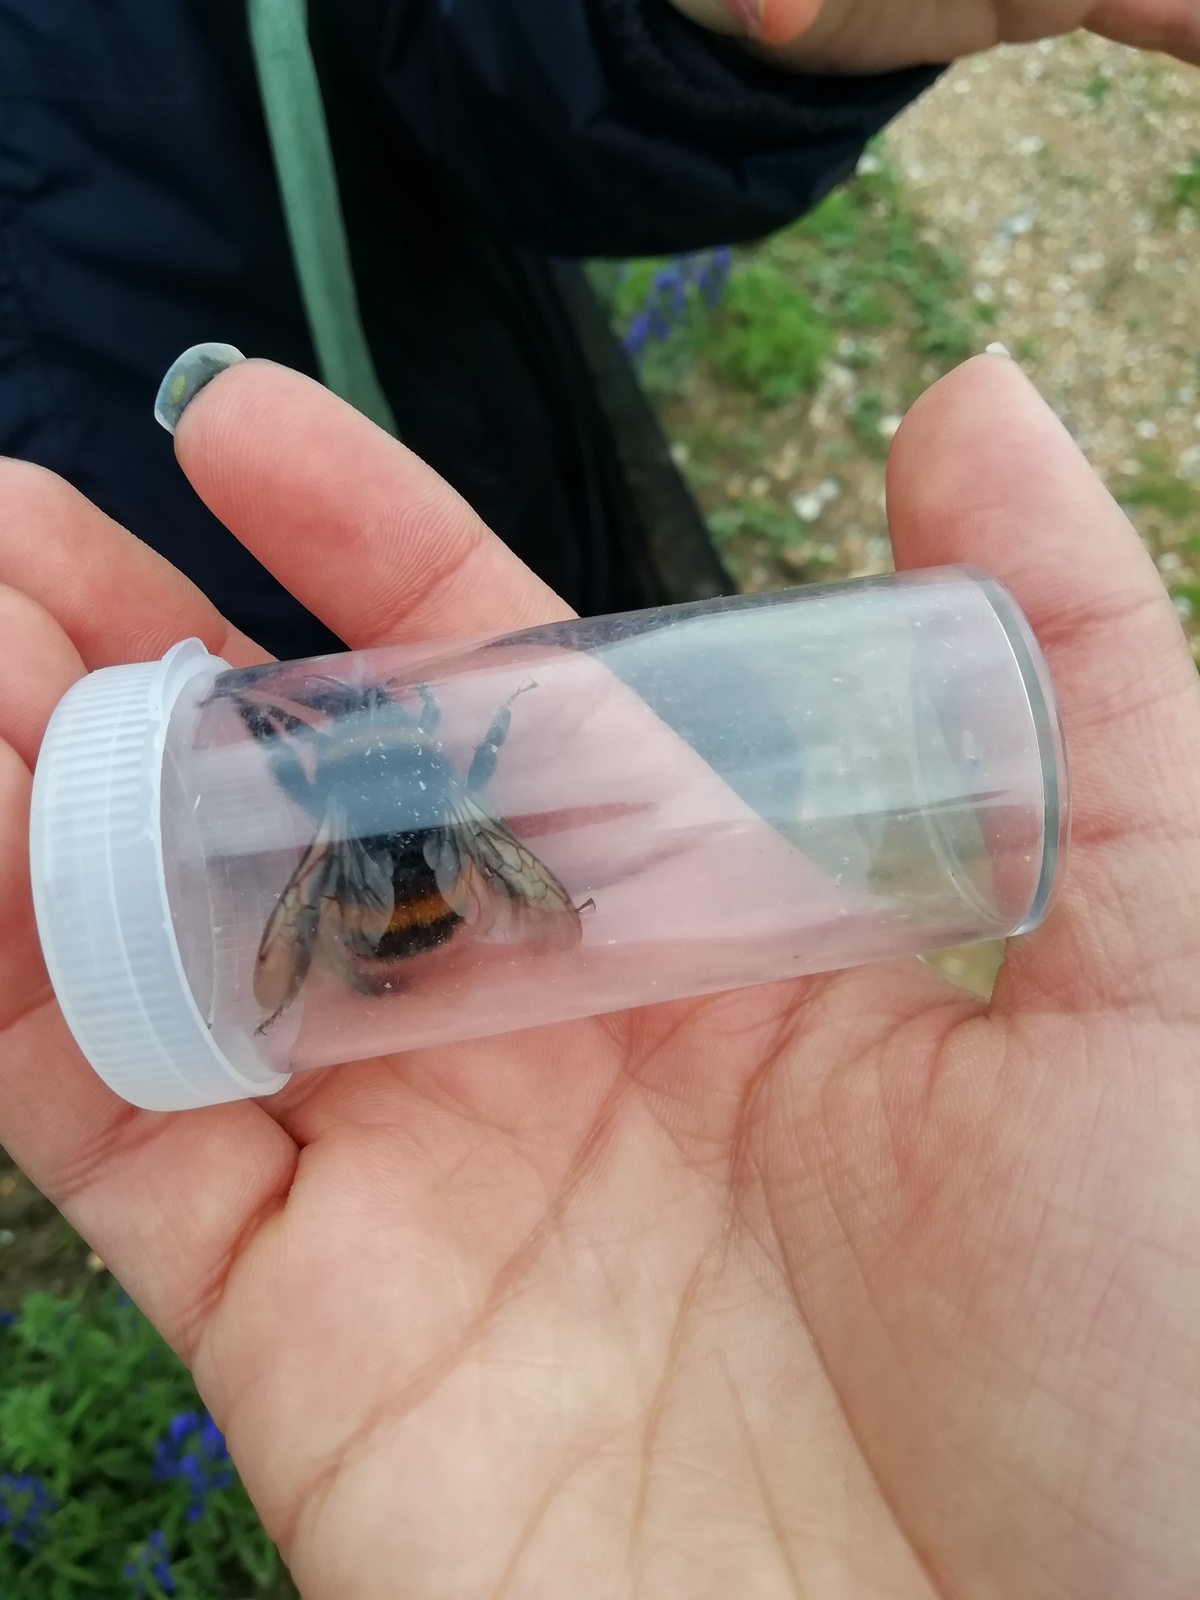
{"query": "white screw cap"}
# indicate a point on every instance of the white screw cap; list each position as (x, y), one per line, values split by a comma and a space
(100, 891)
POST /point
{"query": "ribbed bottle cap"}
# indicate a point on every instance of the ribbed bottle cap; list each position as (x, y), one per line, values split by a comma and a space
(100, 890)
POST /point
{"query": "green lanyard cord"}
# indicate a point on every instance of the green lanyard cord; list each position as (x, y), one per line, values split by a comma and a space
(295, 114)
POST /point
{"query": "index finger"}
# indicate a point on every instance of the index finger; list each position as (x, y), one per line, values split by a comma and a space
(365, 534)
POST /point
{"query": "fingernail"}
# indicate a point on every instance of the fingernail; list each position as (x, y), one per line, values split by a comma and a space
(998, 349)
(193, 371)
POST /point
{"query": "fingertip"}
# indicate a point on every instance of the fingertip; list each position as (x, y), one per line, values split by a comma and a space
(781, 22)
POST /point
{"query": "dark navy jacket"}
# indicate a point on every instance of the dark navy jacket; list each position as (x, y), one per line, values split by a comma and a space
(475, 140)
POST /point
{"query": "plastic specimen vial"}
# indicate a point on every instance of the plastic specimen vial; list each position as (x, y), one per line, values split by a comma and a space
(240, 874)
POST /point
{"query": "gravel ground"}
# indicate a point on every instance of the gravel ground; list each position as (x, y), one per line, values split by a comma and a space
(1049, 172)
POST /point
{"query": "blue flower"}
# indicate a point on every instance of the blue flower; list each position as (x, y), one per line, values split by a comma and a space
(638, 333)
(193, 1448)
(25, 1503)
(152, 1560)
(713, 274)
(666, 302)
(671, 285)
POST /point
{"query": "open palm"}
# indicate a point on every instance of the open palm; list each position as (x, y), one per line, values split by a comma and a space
(845, 1287)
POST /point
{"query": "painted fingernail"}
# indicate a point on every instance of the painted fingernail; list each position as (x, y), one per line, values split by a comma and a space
(185, 378)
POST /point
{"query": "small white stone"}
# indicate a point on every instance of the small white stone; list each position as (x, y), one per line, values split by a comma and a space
(1170, 564)
(985, 294)
(889, 426)
(1147, 428)
(839, 379)
(1031, 145)
(828, 489)
(1184, 607)
(870, 164)
(808, 507)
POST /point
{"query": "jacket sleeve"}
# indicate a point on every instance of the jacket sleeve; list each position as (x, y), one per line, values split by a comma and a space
(608, 127)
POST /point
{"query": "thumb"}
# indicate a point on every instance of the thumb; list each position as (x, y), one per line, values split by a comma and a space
(983, 472)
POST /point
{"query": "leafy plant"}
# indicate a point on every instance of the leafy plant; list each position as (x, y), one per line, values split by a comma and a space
(867, 264)
(659, 304)
(1184, 188)
(757, 518)
(1098, 89)
(114, 1483)
(768, 316)
(768, 336)
(867, 420)
(1158, 488)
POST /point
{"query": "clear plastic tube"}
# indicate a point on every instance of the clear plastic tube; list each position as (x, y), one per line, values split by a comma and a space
(373, 852)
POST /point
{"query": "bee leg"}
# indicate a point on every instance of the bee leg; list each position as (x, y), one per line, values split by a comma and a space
(271, 1020)
(293, 748)
(431, 712)
(483, 763)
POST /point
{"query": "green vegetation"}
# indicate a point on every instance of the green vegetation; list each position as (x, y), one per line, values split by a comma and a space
(1183, 191)
(1157, 487)
(767, 335)
(114, 1483)
(862, 258)
(782, 364)
(856, 265)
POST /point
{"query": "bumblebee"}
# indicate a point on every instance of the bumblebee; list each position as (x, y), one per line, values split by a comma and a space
(406, 851)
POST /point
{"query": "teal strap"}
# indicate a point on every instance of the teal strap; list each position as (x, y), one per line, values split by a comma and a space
(291, 96)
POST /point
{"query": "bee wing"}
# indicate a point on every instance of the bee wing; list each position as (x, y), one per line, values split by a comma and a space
(360, 897)
(492, 880)
(286, 950)
(340, 890)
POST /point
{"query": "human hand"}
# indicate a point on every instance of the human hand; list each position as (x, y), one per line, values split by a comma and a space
(843, 1286)
(875, 35)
